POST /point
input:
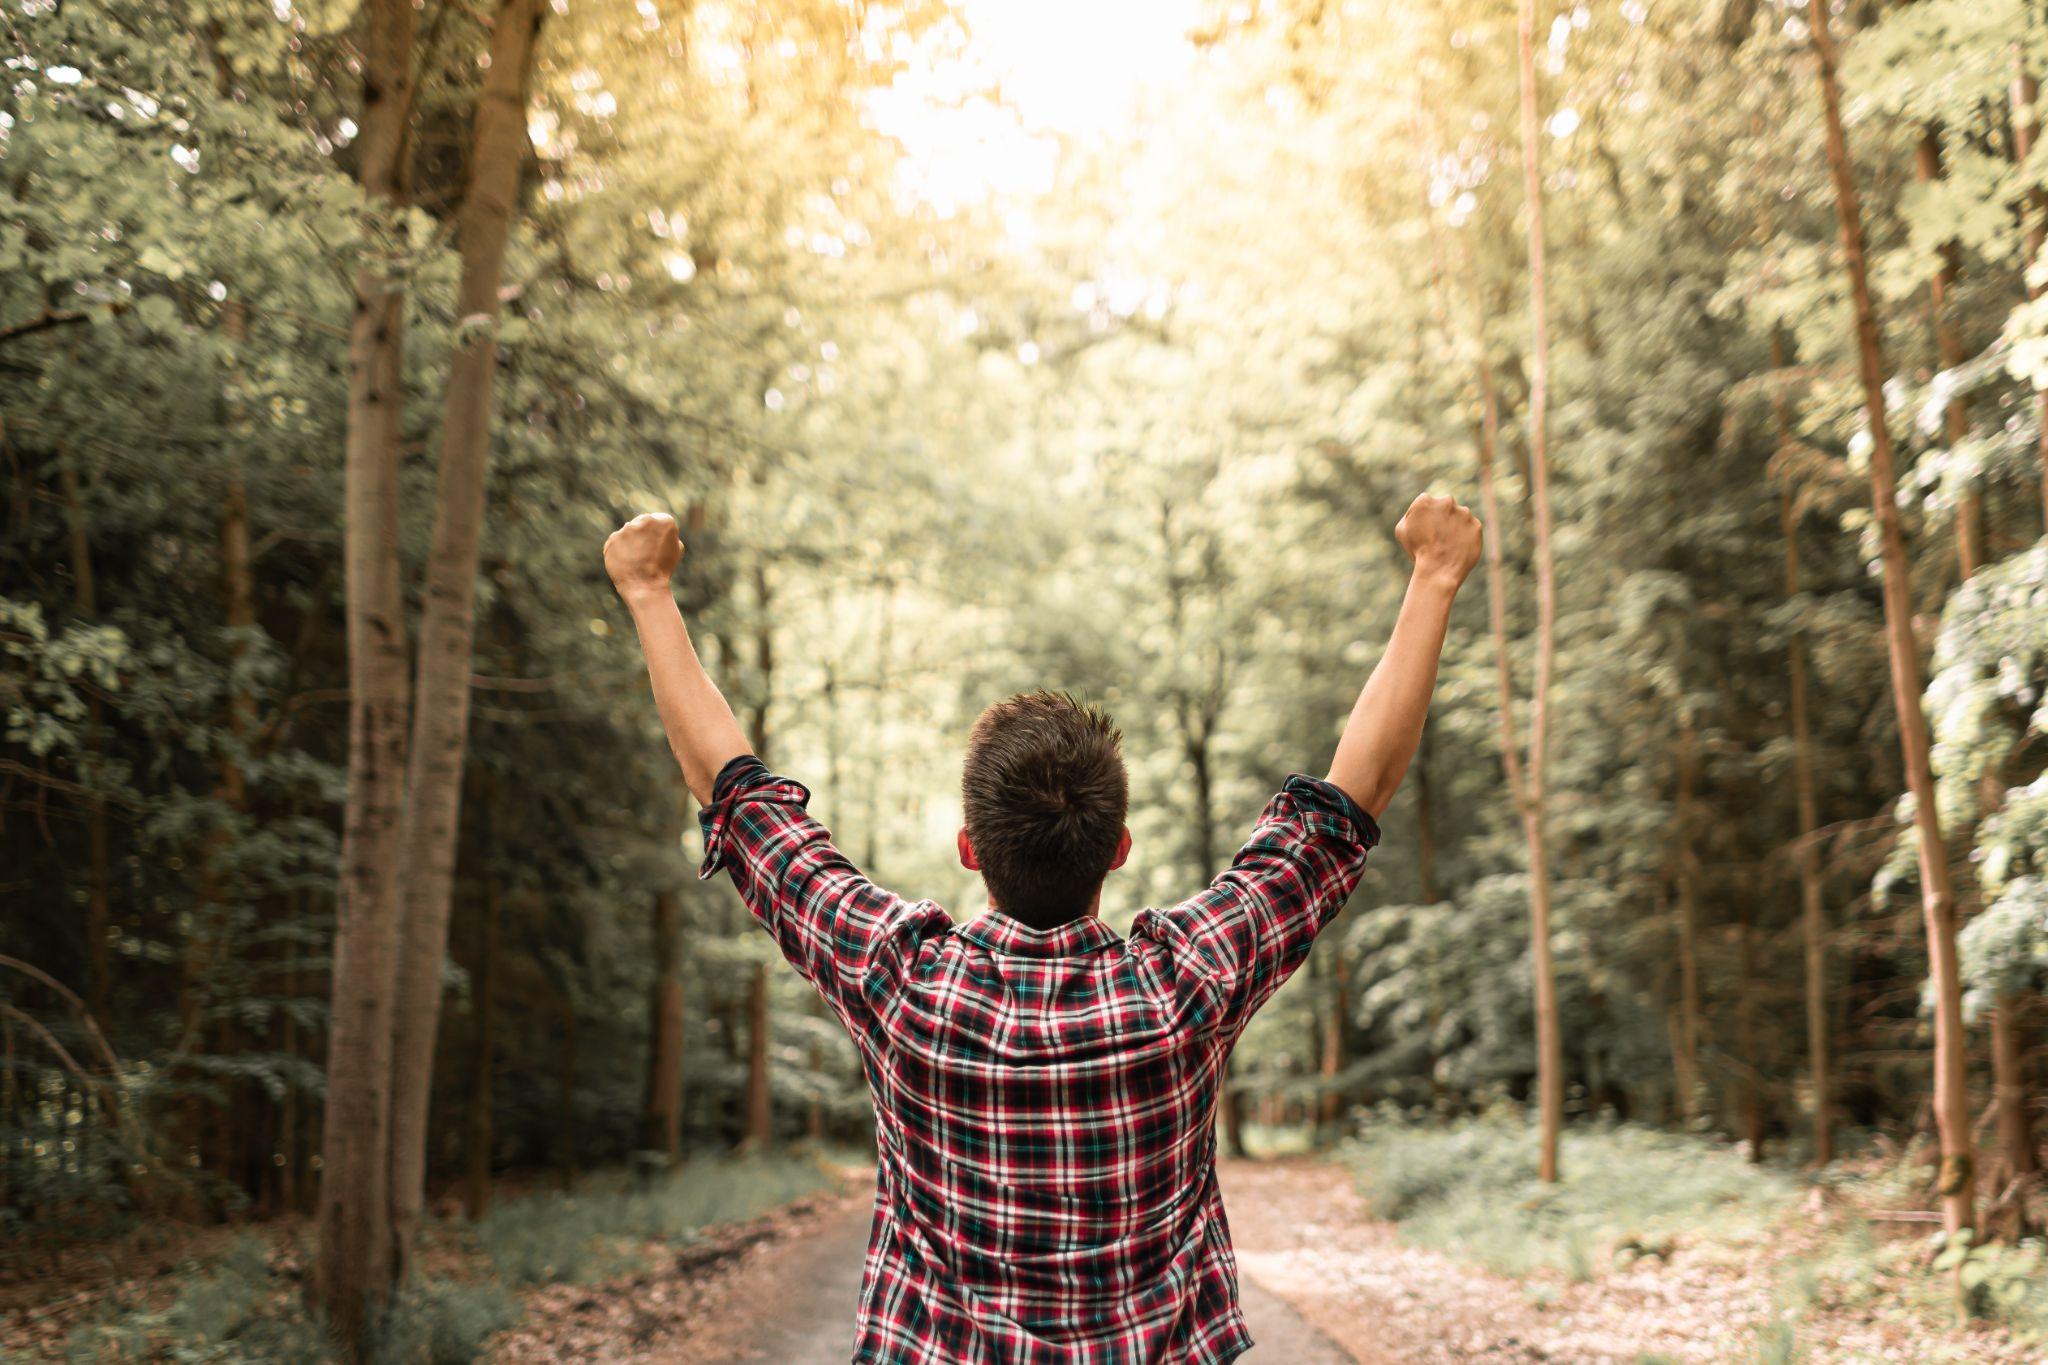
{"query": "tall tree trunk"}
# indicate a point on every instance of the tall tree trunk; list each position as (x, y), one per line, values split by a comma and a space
(355, 1260)
(1951, 1076)
(1549, 1042)
(661, 1116)
(2009, 1077)
(760, 1130)
(1333, 1034)
(1230, 1107)
(289, 1044)
(566, 1106)
(1813, 927)
(477, 1198)
(433, 805)
(1755, 1112)
(1685, 1040)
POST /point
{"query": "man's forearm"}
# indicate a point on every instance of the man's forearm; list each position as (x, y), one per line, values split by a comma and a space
(1386, 723)
(700, 726)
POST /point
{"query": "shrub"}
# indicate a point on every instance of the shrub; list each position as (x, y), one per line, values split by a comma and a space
(231, 1310)
(444, 1322)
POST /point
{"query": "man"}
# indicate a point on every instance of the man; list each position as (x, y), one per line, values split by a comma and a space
(1044, 1089)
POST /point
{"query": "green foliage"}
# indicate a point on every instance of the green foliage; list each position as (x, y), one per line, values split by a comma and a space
(1139, 431)
(596, 1231)
(2004, 1282)
(237, 1309)
(1469, 1189)
(233, 1311)
(443, 1322)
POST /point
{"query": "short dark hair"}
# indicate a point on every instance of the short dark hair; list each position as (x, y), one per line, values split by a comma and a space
(1045, 793)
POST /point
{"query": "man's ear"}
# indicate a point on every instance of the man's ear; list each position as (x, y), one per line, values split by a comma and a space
(966, 847)
(1123, 847)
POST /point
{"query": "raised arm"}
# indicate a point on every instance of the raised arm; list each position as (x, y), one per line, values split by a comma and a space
(641, 557)
(1443, 539)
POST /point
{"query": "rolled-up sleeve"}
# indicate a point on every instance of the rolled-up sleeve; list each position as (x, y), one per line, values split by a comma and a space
(846, 936)
(1248, 931)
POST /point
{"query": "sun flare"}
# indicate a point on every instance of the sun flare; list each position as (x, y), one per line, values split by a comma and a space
(986, 99)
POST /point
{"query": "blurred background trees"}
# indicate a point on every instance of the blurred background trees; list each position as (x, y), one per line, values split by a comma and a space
(1118, 389)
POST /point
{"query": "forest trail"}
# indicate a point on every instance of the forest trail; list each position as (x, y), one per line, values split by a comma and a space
(788, 1299)
(1322, 1283)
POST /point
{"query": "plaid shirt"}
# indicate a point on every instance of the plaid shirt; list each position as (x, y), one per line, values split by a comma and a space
(1044, 1099)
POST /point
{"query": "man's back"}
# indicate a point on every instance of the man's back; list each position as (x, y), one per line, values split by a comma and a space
(1044, 1099)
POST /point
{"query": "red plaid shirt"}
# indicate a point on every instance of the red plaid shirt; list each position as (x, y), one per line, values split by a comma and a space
(1044, 1100)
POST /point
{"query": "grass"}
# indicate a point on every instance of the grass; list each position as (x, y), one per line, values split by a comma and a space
(229, 1309)
(1469, 1189)
(596, 1231)
(237, 1308)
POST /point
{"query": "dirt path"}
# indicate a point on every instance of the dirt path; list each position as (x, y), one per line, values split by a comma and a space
(794, 1305)
(786, 1297)
(1305, 1234)
(1321, 1284)
(1303, 1230)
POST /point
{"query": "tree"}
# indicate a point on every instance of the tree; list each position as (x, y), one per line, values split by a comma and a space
(356, 1249)
(1812, 903)
(1951, 1074)
(433, 787)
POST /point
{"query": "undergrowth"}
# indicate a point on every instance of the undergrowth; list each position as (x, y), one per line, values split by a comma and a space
(596, 1231)
(1469, 1189)
(239, 1308)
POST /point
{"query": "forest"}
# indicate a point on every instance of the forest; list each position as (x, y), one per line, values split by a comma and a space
(358, 991)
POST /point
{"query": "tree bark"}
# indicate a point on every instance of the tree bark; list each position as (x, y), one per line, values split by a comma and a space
(289, 1044)
(433, 806)
(760, 1131)
(477, 1197)
(566, 1101)
(661, 1116)
(2009, 1081)
(1333, 1034)
(1549, 1042)
(354, 1265)
(1951, 1077)
(1685, 1041)
(1230, 1109)
(1813, 928)
(1755, 1109)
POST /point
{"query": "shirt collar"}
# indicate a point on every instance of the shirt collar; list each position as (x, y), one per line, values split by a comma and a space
(999, 933)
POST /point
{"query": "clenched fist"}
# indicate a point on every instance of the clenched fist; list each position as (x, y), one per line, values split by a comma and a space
(642, 555)
(1442, 537)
